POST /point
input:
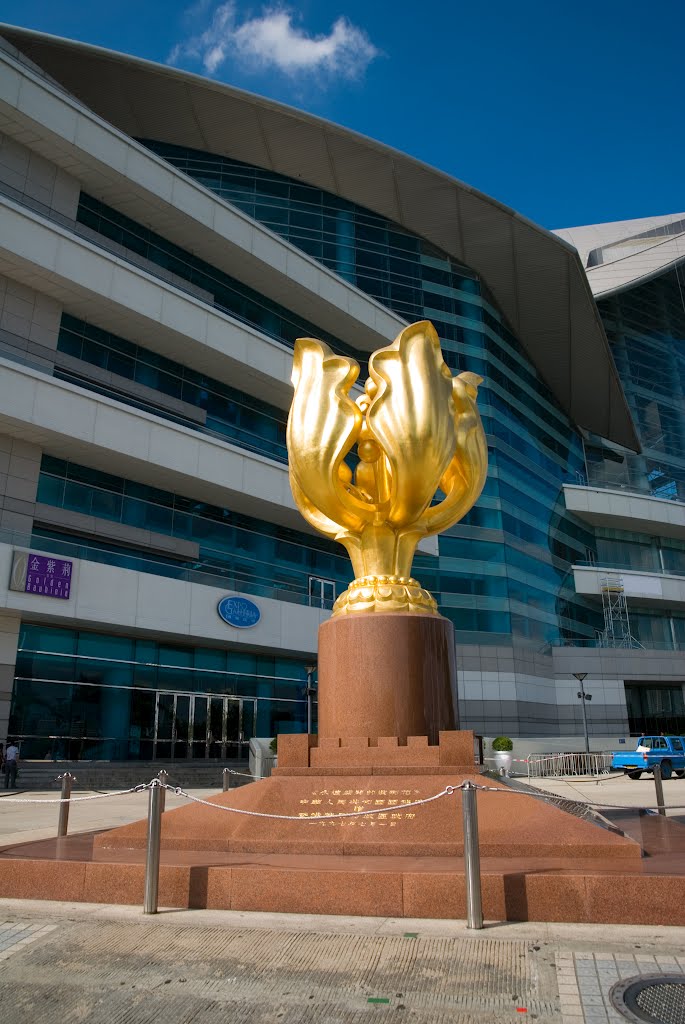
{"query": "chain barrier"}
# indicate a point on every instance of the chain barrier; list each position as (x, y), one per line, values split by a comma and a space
(447, 791)
(566, 799)
(140, 788)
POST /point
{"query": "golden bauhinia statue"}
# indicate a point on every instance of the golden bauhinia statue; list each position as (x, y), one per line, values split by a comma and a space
(417, 433)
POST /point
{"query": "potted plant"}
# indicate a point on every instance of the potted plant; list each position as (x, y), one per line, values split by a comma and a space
(502, 746)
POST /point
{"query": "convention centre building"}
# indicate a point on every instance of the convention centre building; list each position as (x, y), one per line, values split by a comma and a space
(164, 239)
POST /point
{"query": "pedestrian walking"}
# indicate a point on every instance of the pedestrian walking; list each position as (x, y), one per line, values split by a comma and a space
(11, 765)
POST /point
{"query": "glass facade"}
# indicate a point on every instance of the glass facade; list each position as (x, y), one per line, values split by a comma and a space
(231, 414)
(503, 574)
(504, 571)
(619, 549)
(645, 325)
(87, 695)
(235, 551)
(655, 709)
(226, 292)
(646, 330)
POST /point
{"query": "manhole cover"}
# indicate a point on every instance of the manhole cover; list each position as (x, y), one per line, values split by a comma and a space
(655, 999)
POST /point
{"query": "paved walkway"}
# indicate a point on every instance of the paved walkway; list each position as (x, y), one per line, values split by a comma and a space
(24, 822)
(112, 965)
(617, 790)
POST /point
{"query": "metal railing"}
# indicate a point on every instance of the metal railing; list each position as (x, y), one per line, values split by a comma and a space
(598, 642)
(556, 766)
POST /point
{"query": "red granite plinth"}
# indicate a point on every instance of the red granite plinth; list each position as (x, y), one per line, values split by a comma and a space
(582, 891)
(386, 675)
(300, 754)
(509, 826)
(588, 883)
(538, 862)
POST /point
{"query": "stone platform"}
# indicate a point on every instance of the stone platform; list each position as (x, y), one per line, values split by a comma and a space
(602, 889)
(538, 862)
(509, 825)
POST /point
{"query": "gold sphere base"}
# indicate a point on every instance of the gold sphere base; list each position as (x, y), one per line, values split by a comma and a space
(385, 594)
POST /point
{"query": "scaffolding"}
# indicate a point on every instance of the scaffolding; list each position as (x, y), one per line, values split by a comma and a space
(616, 632)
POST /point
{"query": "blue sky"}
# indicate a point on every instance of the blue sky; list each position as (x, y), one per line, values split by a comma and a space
(568, 112)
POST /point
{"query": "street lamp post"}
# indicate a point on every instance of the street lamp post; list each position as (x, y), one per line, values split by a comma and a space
(580, 676)
(311, 693)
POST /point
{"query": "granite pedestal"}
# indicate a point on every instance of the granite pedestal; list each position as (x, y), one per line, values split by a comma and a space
(538, 862)
(387, 742)
(387, 675)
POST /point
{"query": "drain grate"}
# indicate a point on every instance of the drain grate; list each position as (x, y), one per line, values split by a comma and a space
(655, 999)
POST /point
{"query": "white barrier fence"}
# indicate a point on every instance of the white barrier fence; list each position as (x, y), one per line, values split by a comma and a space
(556, 766)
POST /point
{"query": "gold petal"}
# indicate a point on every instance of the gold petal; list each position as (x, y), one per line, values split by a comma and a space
(465, 476)
(323, 425)
(412, 418)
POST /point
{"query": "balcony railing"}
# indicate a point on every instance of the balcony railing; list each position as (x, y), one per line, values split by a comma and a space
(600, 644)
(642, 491)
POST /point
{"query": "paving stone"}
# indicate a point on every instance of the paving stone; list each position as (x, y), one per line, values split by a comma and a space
(154, 975)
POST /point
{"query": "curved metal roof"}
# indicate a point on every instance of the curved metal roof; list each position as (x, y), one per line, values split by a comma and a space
(536, 279)
(628, 253)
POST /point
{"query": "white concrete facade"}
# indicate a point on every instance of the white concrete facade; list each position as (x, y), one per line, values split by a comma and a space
(105, 598)
(626, 510)
(70, 144)
(649, 588)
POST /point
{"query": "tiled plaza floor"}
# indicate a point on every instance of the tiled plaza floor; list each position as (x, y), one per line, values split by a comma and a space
(111, 965)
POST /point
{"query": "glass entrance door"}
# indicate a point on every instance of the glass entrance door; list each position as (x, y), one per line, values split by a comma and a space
(321, 592)
(202, 726)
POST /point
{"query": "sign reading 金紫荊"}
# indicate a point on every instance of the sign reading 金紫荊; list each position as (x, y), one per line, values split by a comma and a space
(41, 574)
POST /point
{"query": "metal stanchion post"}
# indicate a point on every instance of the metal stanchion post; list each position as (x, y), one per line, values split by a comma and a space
(63, 822)
(474, 905)
(163, 777)
(227, 780)
(154, 830)
(658, 785)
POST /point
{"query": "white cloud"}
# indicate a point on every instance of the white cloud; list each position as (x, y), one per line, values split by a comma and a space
(272, 40)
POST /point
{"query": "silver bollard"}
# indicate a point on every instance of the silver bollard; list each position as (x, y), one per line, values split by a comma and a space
(154, 832)
(63, 822)
(163, 776)
(474, 903)
(227, 780)
(658, 785)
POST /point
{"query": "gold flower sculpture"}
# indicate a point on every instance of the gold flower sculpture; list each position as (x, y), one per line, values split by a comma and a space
(417, 433)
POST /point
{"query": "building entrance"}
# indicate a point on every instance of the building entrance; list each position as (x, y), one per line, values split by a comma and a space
(202, 726)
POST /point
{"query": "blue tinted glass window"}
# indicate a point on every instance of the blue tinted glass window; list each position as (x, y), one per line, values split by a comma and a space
(534, 448)
(235, 550)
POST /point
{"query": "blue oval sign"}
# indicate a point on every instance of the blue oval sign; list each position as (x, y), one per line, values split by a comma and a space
(239, 612)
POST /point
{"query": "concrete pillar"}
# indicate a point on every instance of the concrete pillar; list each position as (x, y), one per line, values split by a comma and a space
(19, 471)
(29, 324)
(9, 638)
(34, 178)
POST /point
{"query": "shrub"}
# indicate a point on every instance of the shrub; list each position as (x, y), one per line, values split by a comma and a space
(273, 746)
(502, 743)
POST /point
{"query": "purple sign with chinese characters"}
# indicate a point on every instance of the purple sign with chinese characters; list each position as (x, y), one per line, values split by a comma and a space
(48, 576)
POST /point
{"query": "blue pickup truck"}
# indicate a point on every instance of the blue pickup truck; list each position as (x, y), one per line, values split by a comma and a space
(666, 751)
